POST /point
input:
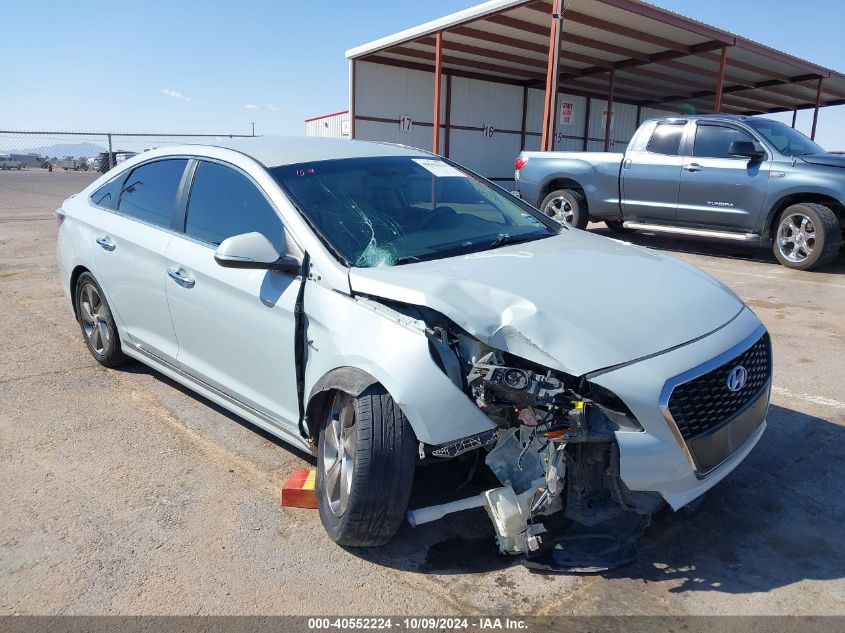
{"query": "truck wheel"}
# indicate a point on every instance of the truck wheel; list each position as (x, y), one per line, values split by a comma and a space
(616, 226)
(365, 468)
(808, 236)
(566, 206)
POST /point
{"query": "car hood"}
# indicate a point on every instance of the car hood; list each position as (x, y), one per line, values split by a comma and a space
(576, 302)
(829, 160)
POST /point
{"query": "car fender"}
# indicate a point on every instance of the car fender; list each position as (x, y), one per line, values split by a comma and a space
(354, 342)
(814, 189)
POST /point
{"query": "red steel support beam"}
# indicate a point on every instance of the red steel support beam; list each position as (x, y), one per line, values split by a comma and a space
(447, 133)
(352, 99)
(587, 123)
(717, 102)
(609, 120)
(816, 110)
(438, 73)
(552, 73)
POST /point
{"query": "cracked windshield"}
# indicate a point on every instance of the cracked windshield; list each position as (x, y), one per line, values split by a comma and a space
(388, 211)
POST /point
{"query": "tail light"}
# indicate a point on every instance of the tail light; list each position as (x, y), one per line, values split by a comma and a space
(60, 215)
(519, 163)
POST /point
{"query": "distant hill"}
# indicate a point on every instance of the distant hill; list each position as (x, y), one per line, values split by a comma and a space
(85, 149)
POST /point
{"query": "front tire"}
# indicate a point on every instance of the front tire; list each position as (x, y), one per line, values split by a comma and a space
(567, 206)
(97, 323)
(807, 236)
(365, 468)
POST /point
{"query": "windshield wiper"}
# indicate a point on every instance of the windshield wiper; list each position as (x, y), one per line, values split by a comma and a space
(505, 238)
(407, 259)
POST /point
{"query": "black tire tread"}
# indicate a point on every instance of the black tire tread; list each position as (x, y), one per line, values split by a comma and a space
(384, 471)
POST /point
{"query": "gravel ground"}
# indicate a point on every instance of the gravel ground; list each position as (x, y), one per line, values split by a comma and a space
(126, 494)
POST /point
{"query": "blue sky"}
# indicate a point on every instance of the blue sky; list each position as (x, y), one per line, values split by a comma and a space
(214, 66)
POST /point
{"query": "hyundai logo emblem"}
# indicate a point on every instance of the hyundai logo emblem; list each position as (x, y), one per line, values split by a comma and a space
(737, 377)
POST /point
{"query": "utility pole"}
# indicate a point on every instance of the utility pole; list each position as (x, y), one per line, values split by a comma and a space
(253, 127)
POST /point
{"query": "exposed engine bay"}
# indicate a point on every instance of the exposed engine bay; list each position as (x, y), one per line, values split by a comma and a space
(562, 504)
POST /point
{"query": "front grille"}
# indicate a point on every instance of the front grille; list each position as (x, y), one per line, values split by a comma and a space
(704, 403)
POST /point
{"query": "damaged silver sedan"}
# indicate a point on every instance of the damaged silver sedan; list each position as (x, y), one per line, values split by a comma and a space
(378, 307)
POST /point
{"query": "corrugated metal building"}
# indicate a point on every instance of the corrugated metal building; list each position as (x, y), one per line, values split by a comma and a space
(334, 125)
(539, 74)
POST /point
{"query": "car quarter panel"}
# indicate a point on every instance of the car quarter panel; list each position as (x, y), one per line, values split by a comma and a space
(597, 173)
(343, 331)
(76, 242)
(640, 386)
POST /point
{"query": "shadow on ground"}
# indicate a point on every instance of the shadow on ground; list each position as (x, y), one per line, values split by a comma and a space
(712, 248)
(775, 521)
(136, 367)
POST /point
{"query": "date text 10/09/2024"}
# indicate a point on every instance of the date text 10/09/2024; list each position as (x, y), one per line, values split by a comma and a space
(413, 623)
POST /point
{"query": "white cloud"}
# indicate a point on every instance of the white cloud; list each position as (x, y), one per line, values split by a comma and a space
(174, 93)
(251, 106)
(272, 108)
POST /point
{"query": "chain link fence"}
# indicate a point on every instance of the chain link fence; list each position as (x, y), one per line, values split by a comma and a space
(38, 170)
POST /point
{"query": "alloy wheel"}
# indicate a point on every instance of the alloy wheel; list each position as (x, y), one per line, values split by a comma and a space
(95, 319)
(339, 442)
(560, 210)
(796, 238)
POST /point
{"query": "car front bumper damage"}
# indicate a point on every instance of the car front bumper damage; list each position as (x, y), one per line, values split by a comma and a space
(585, 462)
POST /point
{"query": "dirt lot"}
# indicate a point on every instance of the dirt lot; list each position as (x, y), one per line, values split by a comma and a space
(123, 493)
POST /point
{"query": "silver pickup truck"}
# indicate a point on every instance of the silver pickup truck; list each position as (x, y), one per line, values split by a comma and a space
(749, 179)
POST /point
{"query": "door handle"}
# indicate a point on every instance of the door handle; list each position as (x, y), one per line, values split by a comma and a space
(180, 278)
(693, 167)
(106, 243)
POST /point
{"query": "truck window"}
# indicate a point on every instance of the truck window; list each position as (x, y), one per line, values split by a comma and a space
(666, 139)
(713, 141)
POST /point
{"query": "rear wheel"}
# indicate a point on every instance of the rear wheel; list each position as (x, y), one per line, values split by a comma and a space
(97, 323)
(808, 236)
(365, 468)
(566, 206)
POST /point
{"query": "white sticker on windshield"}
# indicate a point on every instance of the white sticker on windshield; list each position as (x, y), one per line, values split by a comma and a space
(438, 168)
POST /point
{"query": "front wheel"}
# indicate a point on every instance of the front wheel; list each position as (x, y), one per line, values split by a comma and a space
(566, 206)
(366, 457)
(808, 236)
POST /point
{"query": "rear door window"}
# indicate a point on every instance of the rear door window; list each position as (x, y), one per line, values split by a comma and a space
(107, 195)
(149, 193)
(224, 202)
(713, 141)
(666, 139)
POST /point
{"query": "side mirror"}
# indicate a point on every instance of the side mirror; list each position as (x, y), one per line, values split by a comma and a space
(749, 149)
(253, 250)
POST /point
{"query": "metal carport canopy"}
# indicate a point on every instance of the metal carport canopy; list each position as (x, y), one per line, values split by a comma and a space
(625, 51)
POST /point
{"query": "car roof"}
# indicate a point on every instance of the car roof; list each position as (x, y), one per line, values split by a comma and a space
(273, 151)
(699, 117)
